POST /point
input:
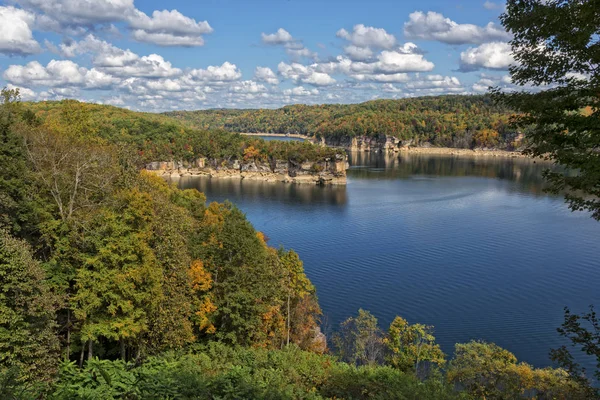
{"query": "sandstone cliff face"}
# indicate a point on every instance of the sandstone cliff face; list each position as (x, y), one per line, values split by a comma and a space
(366, 143)
(330, 171)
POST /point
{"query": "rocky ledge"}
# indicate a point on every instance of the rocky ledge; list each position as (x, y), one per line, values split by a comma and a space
(328, 172)
(386, 143)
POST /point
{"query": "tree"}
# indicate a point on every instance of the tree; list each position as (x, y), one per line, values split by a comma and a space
(360, 341)
(487, 371)
(584, 332)
(16, 190)
(556, 48)
(28, 343)
(412, 345)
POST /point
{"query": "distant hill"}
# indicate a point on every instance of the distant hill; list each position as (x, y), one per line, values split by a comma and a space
(444, 121)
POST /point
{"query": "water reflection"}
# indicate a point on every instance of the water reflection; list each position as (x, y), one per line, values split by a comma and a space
(525, 172)
(256, 191)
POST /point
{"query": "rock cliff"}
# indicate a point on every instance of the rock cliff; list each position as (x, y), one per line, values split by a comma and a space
(329, 171)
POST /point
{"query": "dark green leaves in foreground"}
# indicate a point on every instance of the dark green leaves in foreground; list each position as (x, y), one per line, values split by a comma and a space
(556, 46)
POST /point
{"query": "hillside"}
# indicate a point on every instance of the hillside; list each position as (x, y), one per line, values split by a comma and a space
(443, 121)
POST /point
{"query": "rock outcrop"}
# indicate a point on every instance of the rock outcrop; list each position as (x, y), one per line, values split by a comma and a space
(329, 171)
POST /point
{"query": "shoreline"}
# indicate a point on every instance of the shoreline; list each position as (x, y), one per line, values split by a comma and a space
(463, 152)
(290, 135)
(270, 177)
(414, 150)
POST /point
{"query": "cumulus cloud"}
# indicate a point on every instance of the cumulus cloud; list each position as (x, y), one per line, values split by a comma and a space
(80, 12)
(490, 5)
(358, 53)
(446, 83)
(305, 74)
(76, 17)
(248, 87)
(280, 37)
(25, 93)
(368, 36)
(115, 61)
(62, 73)
(300, 91)
(16, 37)
(293, 46)
(434, 26)
(265, 74)
(495, 55)
(168, 28)
(215, 74)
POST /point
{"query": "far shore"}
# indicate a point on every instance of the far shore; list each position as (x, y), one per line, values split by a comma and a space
(419, 150)
(292, 135)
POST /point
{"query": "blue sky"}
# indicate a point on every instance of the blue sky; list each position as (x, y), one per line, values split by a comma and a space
(159, 56)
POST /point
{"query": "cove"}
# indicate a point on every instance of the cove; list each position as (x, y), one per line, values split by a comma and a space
(472, 246)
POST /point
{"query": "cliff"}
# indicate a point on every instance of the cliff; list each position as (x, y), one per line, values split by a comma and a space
(329, 171)
(387, 143)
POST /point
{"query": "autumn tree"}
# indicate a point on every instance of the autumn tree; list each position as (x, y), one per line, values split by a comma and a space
(412, 346)
(487, 371)
(556, 48)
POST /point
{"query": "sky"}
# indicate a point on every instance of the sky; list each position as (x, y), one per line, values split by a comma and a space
(186, 55)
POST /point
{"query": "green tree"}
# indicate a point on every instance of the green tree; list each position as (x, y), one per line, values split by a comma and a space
(119, 284)
(359, 340)
(411, 346)
(583, 331)
(556, 47)
(28, 342)
(487, 371)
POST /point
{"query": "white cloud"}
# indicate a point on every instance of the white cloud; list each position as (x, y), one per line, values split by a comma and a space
(63, 73)
(80, 12)
(495, 55)
(293, 47)
(16, 37)
(226, 72)
(436, 82)
(76, 17)
(434, 26)
(305, 74)
(368, 36)
(118, 62)
(265, 74)
(358, 53)
(25, 93)
(248, 87)
(280, 37)
(400, 61)
(168, 28)
(167, 39)
(300, 91)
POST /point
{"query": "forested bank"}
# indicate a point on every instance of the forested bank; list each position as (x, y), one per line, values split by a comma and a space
(443, 121)
(114, 284)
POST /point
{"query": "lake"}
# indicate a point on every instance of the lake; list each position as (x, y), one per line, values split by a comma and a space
(470, 245)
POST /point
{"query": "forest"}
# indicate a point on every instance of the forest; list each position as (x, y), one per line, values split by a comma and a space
(116, 285)
(457, 121)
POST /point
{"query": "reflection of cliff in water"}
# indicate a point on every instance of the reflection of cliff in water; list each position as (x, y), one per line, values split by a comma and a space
(233, 189)
(525, 172)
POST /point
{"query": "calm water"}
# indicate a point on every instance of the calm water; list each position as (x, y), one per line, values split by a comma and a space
(471, 246)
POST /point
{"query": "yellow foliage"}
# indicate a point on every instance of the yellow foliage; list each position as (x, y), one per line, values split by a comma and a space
(201, 279)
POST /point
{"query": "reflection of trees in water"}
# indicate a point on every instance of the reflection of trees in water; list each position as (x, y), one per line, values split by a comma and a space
(525, 172)
(233, 189)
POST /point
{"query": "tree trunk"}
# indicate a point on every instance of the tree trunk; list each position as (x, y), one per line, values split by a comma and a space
(68, 354)
(90, 349)
(123, 350)
(288, 319)
(81, 355)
